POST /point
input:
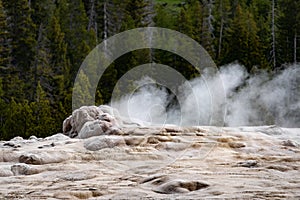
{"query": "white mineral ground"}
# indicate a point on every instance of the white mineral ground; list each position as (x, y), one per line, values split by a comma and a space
(154, 162)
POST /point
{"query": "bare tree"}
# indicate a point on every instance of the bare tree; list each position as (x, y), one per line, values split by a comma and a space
(223, 12)
(207, 26)
(92, 14)
(273, 52)
(295, 48)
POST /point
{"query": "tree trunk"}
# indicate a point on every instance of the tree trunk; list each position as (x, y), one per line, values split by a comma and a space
(36, 62)
(221, 30)
(92, 15)
(295, 48)
(273, 35)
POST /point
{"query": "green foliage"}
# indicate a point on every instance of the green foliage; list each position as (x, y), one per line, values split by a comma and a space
(289, 29)
(43, 123)
(83, 89)
(184, 23)
(243, 40)
(164, 17)
(22, 31)
(4, 44)
(44, 42)
(74, 24)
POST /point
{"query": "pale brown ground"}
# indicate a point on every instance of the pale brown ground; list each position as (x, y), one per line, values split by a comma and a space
(156, 163)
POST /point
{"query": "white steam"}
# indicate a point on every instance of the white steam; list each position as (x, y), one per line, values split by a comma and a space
(260, 99)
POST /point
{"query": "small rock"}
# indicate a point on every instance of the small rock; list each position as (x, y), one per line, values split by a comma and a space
(133, 140)
(248, 163)
(101, 142)
(44, 157)
(281, 168)
(172, 146)
(20, 169)
(178, 186)
(289, 143)
(12, 144)
(57, 137)
(33, 137)
(236, 145)
(47, 145)
(174, 129)
(18, 138)
(30, 159)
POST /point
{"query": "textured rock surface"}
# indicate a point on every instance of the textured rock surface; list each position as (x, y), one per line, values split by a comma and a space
(89, 121)
(155, 163)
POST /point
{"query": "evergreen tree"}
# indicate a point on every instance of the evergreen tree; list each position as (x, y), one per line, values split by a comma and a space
(43, 123)
(139, 12)
(260, 10)
(3, 109)
(184, 23)
(19, 120)
(164, 17)
(42, 11)
(222, 21)
(4, 43)
(59, 63)
(195, 12)
(82, 89)
(60, 79)
(243, 41)
(22, 32)
(136, 15)
(74, 24)
(288, 28)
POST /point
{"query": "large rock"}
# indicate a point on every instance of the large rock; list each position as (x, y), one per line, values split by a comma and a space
(89, 121)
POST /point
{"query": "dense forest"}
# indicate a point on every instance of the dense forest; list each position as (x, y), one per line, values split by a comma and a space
(43, 43)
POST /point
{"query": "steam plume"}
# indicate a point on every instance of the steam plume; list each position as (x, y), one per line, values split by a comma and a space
(260, 99)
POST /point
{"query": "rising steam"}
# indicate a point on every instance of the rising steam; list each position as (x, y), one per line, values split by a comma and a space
(260, 99)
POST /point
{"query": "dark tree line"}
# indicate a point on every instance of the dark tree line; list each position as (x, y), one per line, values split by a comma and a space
(43, 43)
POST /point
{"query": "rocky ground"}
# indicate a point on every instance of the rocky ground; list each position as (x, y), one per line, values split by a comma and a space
(166, 162)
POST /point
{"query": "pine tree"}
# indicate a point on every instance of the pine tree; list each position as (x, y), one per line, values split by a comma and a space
(139, 11)
(244, 45)
(195, 12)
(4, 43)
(288, 31)
(58, 61)
(22, 31)
(60, 79)
(81, 90)
(260, 9)
(273, 51)
(22, 48)
(184, 23)
(222, 12)
(6, 70)
(110, 17)
(42, 11)
(3, 109)
(164, 17)
(19, 120)
(43, 122)
(74, 23)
